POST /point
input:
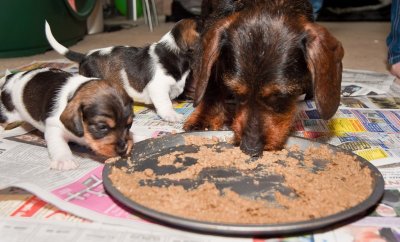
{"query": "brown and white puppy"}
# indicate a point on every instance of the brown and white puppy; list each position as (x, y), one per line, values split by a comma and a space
(153, 74)
(67, 107)
(264, 53)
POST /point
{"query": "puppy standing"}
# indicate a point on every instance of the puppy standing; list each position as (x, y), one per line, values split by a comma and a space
(67, 107)
(154, 74)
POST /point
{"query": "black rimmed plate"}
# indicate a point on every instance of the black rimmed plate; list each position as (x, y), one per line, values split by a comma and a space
(145, 156)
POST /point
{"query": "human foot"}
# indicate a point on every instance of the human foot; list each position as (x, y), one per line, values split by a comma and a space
(395, 69)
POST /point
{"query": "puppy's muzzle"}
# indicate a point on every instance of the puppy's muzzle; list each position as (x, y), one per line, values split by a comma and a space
(121, 147)
(252, 146)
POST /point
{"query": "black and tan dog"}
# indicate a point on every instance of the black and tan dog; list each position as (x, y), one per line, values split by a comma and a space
(264, 53)
(67, 107)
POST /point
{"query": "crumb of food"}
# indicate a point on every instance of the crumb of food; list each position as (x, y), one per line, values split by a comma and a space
(129, 162)
(215, 139)
(148, 172)
(342, 184)
(112, 160)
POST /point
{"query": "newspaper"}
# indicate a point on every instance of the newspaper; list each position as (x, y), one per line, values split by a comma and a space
(367, 125)
(16, 229)
(361, 82)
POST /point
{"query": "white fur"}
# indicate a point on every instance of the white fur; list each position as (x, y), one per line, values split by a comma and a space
(161, 89)
(56, 135)
(101, 51)
(53, 42)
(169, 40)
(63, 50)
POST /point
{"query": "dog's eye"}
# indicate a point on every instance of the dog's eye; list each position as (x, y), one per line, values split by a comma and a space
(242, 99)
(275, 98)
(102, 127)
(128, 126)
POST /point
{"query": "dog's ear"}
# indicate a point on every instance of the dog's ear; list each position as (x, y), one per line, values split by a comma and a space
(186, 34)
(210, 50)
(324, 54)
(72, 118)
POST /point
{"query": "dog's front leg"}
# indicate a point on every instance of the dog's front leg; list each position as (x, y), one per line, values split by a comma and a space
(209, 114)
(60, 154)
(159, 95)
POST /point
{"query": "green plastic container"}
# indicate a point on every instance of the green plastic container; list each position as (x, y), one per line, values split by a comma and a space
(121, 6)
(22, 24)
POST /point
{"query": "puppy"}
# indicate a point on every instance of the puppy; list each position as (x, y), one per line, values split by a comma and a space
(67, 107)
(154, 74)
(264, 54)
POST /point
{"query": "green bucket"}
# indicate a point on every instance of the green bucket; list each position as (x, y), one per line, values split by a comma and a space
(22, 24)
(121, 6)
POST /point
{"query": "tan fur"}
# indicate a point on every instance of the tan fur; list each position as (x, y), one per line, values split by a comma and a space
(72, 116)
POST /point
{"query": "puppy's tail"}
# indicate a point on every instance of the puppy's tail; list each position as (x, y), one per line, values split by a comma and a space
(69, 54)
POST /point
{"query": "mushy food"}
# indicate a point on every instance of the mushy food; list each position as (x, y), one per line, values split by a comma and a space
(314, 192)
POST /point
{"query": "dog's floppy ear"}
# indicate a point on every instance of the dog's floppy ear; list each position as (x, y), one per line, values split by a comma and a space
(210, 50)
(186, 34)
(72, 118)
(324, 56)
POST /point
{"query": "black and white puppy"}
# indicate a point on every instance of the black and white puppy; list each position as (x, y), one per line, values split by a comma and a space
(153, 74)
(66, 107)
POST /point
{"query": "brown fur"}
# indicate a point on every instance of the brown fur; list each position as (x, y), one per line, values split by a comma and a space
(264, 54)
(116, 116)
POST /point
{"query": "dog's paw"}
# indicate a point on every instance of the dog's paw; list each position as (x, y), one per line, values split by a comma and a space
(190, 126)
(63, 165)
(171, 116)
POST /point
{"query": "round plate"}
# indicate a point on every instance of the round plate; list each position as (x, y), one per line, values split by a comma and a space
(145, 156)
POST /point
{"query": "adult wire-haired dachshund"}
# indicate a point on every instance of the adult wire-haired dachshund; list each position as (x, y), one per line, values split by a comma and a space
(264, 53)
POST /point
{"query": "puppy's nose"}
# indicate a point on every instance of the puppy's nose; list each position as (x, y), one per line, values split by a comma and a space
(251, 147)
(121, 147)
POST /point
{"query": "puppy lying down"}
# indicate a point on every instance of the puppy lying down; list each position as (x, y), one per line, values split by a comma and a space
(67, 107)
(153, 74)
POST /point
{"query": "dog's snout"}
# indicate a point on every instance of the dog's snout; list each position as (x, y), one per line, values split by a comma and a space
(121, 147)
(252, 147)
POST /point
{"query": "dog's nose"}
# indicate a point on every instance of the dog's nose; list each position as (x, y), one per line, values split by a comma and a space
(121, 147)
(251, 147)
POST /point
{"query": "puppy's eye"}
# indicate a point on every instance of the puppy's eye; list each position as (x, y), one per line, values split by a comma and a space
(102, 127)
(128, 126)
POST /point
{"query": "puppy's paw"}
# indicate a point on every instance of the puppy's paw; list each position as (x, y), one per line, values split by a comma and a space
(67, 164)
(171, 116)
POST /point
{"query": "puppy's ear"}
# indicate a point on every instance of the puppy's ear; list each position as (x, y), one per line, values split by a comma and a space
(324, 59)
(186, 34)
(210, 50)
(72, 118)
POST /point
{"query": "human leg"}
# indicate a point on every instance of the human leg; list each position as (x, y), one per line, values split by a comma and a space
(393, 40)
(316, 5)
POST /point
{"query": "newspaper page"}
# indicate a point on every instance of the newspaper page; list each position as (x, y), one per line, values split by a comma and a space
(361, 82)
(368, 127)
(16, 229)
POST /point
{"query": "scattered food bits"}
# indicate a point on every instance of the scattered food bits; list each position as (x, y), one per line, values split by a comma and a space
(112, 160)
(314, 193)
